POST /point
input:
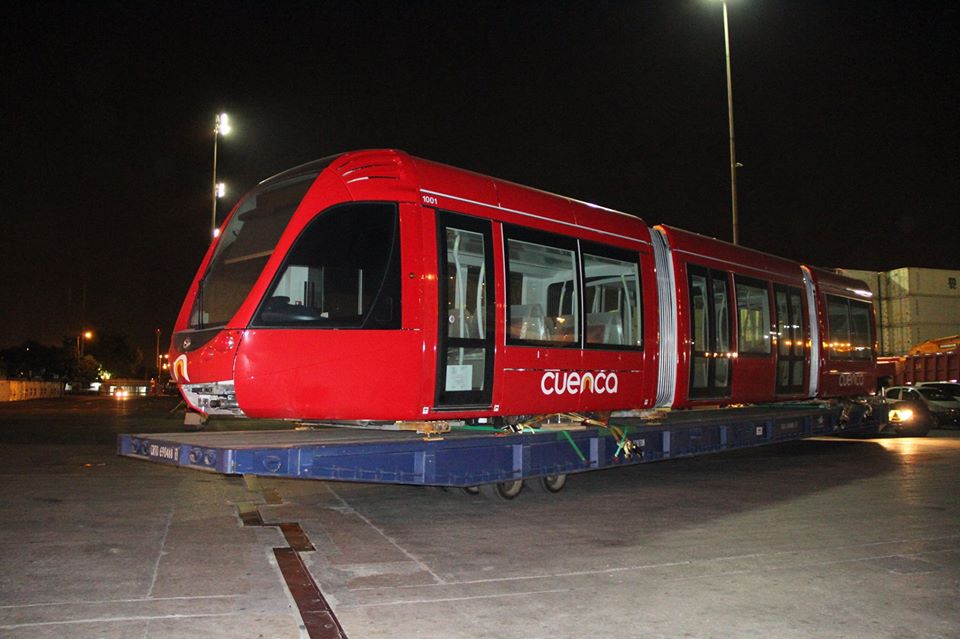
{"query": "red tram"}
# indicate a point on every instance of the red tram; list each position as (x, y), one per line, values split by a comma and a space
(374, 286)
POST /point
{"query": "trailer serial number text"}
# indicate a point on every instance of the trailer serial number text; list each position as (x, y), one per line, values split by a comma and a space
(163, 452)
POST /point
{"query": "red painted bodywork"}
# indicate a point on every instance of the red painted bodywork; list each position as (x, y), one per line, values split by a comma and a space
(842, 378)
(299, 373)
(753, 376)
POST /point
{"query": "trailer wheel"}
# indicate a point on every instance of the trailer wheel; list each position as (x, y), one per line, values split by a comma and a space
(550, 483)
(505, 490)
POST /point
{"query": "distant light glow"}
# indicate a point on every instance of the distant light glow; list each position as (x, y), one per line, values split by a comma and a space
(216, 233)
(221, 189)
(223, 124)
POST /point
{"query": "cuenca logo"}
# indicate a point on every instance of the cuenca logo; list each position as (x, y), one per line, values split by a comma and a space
(851, 379)
(573, 383)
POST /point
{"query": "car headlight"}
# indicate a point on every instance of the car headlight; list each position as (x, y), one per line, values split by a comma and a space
(900, 415)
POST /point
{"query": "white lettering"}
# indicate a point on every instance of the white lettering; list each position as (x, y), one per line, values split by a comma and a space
(850, 379)
(163, 452)
(544, 388)
(574, 383)
(613, 383)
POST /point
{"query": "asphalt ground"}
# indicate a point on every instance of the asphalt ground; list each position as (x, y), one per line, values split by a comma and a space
(818, 538)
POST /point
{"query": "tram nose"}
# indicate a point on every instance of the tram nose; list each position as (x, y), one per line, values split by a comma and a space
(205, 374)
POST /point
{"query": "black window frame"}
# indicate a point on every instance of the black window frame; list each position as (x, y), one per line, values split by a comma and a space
(832, 353)
(368, 321)
(444, 399)
(799, 352)
(549, 240)
(711, 390)
(760, 284)
(614, 253)
(579, 248)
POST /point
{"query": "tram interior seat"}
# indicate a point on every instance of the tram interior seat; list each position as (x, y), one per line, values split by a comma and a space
(605, 328)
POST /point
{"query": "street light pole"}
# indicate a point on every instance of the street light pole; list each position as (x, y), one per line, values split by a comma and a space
(733, 152)
(81, 338)
(221, 127)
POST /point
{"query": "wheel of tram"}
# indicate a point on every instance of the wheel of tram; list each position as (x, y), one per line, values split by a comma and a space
(550, 483)
(502, 490)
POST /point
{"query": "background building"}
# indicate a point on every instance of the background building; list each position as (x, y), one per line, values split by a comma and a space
(913, 305)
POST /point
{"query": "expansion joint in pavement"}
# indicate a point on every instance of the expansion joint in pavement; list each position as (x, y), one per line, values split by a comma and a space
(316, 614)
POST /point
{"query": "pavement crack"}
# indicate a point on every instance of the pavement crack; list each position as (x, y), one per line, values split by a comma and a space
(160, 552)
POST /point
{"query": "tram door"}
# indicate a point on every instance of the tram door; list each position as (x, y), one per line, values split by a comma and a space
(710, 345)
(791, 339)
(466, 328)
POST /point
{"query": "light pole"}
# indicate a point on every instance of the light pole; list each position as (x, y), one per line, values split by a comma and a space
(733, 152)
(221, 127)
(81, 338)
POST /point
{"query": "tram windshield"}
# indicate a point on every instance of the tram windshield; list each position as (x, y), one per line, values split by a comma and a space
(246, 245)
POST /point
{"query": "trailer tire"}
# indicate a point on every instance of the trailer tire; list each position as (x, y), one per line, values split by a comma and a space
(504, 490)
(549, 483)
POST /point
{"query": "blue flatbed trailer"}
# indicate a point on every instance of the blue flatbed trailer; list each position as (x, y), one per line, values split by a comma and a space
(473, 456)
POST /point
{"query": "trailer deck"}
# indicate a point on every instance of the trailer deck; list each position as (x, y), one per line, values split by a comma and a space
(476, 455)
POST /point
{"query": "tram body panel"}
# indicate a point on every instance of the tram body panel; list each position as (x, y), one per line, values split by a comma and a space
(848, 343)
(339, 374)
(742, 323)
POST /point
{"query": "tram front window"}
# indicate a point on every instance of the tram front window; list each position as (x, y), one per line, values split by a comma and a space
(342, 272)
(246, 245)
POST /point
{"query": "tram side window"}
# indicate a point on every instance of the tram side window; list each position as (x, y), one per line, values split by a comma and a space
(611, 301)
(543, 293)
(342, 272)
(753, 316)
(850, 336)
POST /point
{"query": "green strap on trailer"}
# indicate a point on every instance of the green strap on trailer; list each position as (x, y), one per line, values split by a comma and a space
(576, 449)
(623, 441)
(478, 429)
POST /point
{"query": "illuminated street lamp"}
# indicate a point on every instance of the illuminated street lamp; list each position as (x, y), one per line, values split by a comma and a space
(85, 336)
(221, 127)
(733, 153)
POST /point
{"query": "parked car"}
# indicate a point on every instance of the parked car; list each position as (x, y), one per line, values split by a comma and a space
(945, 408)
(950, 388)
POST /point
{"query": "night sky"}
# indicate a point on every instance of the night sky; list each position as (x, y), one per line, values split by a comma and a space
(846, 123)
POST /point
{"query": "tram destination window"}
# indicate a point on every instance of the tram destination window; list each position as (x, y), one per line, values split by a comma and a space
(542, 289)
(850, 335)
(753, 316)
(342, 272)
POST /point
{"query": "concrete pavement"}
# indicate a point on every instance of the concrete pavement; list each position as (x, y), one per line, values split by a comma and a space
(825, 538)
